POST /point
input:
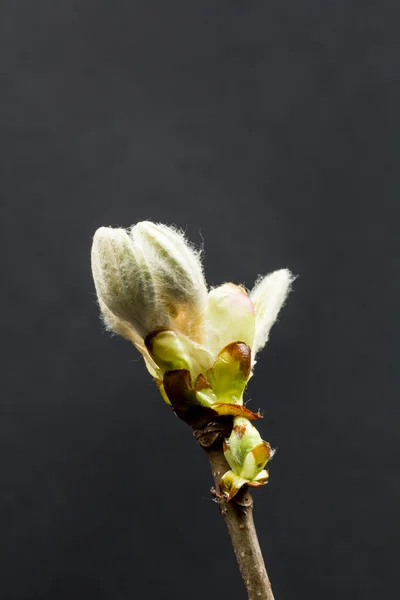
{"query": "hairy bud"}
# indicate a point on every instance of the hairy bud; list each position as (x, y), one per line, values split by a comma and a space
(177, 275)
(148, 280)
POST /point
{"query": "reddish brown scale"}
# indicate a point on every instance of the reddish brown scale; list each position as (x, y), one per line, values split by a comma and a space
(240, 430)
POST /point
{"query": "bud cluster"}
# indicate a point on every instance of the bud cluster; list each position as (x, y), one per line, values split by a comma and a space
(199, 346)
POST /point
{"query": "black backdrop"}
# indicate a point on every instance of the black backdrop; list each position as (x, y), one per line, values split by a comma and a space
(267, 130)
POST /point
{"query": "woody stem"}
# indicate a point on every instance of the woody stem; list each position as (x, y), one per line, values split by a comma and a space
(238, 516)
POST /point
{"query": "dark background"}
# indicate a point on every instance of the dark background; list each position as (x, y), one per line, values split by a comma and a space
(268, 130)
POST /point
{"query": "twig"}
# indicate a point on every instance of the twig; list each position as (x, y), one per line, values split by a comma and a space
(238, 516)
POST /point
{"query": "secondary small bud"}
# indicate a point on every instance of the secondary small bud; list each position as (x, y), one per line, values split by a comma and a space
(242, 441)
(247, 454)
